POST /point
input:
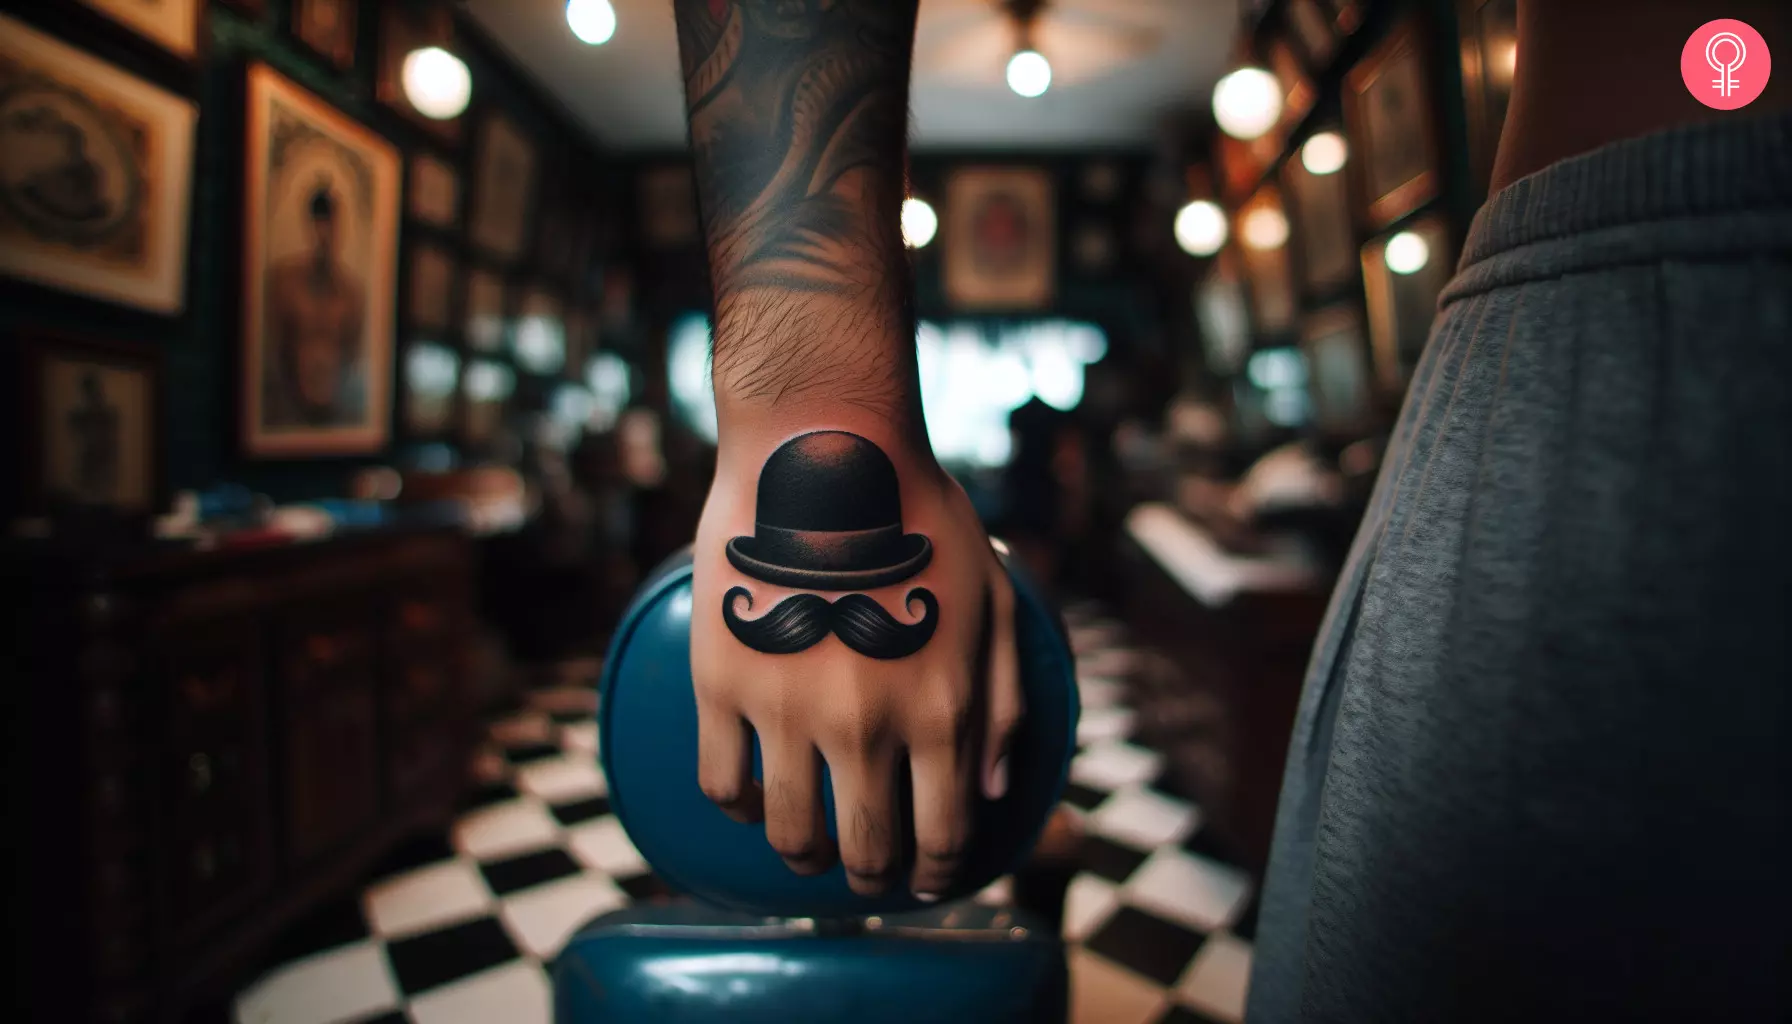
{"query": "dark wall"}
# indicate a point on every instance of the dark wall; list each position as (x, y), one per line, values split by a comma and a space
(200, 347)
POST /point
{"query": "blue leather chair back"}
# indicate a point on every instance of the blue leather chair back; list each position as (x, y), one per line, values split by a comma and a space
(648, 739)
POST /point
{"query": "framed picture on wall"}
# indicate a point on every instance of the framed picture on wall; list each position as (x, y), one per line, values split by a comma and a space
(1403, 275)
(89, 425)
(327, 26)
(1223, 315)
(504, 187)
(1489, 45)
(1338, 379)
(1263, 234)
(431, 272)
(1001, 243)
(320, 240)
(1325, 243)
(170, 24)
(96, 170)
(405, 27)
(486, 324)
(1392, 127)
(431, 387)
(433, 192)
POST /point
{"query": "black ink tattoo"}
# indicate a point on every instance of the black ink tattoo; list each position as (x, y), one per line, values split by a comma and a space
(829, 517)
(800, 622)
(798, 120)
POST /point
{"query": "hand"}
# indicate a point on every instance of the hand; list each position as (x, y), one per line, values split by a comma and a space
(948, 698)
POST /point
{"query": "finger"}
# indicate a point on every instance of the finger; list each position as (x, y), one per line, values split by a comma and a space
(725, 761)
(865, 817)
(795, 820)
(942, 785)
(1004, 685)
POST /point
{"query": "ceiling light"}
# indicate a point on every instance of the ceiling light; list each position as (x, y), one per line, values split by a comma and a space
(1029, 73)
(1264, 228)
(919, 223)
(1407, 253)
(1247, 103)
(437, 83)
(593, 21)
(1324, 153)
(1201, 228)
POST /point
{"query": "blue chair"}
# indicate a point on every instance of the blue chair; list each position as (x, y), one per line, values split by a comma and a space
(756, 942)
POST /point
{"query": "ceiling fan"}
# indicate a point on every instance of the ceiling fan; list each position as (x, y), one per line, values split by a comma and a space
(975, 42)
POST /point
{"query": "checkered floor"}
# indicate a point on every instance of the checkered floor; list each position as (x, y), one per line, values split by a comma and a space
(460, 929)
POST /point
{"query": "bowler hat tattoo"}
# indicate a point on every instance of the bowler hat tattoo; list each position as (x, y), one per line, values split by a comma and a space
(829, 518)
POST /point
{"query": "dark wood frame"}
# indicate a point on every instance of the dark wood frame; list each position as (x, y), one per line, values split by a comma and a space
(1322, 323)
(1405, 42)
(1295, 198)
(532, 206)
(1317, 59)
(32, 349)
(413, 159)
(342, 54)
(1391, 371)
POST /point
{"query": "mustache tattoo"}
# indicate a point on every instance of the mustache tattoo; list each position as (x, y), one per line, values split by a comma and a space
(801, 621)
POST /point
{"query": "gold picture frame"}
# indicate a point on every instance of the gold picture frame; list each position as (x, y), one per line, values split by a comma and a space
(328, 28)
(405, 27)
(1324, 234)
(1393, 127)
(1489, 55)
(108, 218)
(170, 24)
(1000, 238)
(320, 198)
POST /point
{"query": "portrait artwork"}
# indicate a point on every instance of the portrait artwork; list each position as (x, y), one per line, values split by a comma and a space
(95, 175)
(327, 26)
(1000, 239)
(432, 195)
(432, 271)
(1392, 128)
(90, 412)
(320, 240)
(504, 186)
(171, 24)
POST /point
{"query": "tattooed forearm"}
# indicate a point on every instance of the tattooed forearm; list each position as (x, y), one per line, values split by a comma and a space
(798, 116)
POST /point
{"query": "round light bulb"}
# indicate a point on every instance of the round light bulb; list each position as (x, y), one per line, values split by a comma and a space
(1407, 253)
(919, 223)
(1201, 228)
(1029, 73)
(1247, 103)
(1324, 153)
(1264, 228)
(437, 83)
(593, 21)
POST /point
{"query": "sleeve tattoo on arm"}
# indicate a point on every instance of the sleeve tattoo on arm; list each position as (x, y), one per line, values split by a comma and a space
(798, 112)
(799, 116)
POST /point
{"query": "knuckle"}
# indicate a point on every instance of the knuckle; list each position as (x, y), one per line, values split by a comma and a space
(868, 863)
(795, 846)
(944, 849)
(720, 791)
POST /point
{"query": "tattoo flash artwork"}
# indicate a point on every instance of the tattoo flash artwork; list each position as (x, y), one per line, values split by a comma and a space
(829, 518)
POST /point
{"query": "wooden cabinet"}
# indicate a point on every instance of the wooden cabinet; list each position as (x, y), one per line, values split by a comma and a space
(213, 742)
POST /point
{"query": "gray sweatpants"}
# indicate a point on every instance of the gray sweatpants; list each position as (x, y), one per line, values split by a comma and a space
(1540, 767)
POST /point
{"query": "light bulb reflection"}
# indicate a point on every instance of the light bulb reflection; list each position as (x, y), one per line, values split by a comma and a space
(1324, 153)
(592, 21)
(1247, 103)
(919, 223)
(1201, 228)
(437, 83)
(1029, 73)
(1264, 228)
(1407, 253)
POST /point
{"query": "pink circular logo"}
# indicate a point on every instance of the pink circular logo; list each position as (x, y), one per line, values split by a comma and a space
(1725, 64)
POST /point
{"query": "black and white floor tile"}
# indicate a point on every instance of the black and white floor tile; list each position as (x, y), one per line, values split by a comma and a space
(461, 929)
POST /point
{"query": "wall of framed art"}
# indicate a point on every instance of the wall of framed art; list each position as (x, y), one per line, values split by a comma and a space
(1402, 102)
(211, 154)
